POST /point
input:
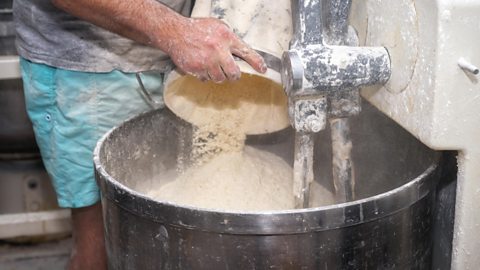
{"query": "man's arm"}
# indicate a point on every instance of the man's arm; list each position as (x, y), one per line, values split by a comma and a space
(202, 47)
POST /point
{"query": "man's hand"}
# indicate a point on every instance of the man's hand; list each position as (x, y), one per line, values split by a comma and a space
(201, 47)
(204, 49)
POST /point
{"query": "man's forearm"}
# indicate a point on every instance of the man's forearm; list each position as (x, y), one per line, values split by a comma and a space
(145, 21)
(202, 47)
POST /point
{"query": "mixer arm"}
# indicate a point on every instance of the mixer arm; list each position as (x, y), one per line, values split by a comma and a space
(313, 68)
(321, 74)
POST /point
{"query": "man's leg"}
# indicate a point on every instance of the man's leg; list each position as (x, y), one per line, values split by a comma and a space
(89, 246)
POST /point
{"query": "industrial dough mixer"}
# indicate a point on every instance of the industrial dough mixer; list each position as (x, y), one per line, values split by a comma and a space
(385, 220)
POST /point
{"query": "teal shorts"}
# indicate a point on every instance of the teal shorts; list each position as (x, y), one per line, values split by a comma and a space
(70, 111)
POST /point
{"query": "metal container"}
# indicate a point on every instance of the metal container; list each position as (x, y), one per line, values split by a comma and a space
(389, 226)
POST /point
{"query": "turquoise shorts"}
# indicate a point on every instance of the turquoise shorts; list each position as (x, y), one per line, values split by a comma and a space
(70, 111)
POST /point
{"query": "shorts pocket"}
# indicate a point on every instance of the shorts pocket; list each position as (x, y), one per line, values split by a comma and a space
(39, 89)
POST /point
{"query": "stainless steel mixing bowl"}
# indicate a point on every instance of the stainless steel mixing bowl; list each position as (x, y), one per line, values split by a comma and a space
(389, 226)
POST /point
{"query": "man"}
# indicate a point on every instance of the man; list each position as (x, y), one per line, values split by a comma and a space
(79, 59)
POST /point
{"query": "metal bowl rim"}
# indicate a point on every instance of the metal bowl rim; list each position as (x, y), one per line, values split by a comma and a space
(278, 222)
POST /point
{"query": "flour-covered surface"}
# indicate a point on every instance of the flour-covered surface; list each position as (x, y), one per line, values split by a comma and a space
(440, 103)
(251, 180)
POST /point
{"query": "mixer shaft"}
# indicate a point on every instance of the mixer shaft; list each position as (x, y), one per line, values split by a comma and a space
(342, 163)
(303, 168)
(336, 31)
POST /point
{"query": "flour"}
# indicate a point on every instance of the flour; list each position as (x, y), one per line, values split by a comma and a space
(250, 180)
(225, 174)
(223, 133)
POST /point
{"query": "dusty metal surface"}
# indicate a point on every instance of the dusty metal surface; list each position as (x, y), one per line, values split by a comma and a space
(324, 69)
(344, 103)
(429, 94)
(303, 169)
(395, 202)
(342, 163)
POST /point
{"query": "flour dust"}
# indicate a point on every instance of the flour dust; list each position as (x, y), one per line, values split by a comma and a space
(225, 173)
